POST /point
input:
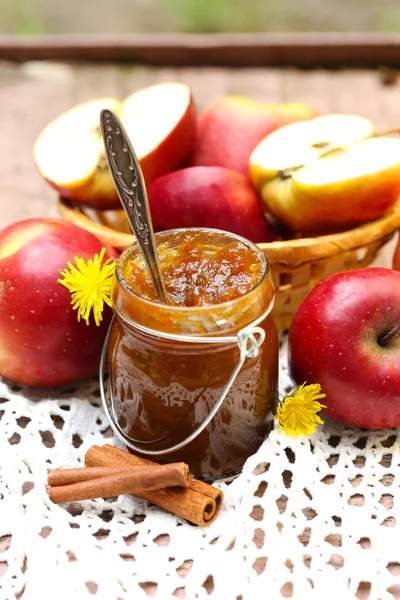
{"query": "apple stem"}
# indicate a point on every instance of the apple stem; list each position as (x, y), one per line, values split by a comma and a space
(385, 339)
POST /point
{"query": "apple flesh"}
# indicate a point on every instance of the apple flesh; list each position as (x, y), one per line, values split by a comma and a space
(208, 197)
(69, 153)
(346, 336)
(41, 341)
(327, 174)
(230, 129)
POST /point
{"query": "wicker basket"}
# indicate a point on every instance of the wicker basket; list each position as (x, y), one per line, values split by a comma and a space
(296, 265)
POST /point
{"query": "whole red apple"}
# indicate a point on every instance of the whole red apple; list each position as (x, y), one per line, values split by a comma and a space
(346, 336)
(208, 197)
(41, 341)
(396, 257)
(229, 129)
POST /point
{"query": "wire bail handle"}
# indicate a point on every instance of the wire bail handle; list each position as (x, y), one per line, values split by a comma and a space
(249, 341)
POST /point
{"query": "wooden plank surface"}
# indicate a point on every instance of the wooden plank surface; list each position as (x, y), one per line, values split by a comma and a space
(33, 93)
(304, 50)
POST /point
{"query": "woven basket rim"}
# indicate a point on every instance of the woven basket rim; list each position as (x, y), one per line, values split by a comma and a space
(294, 252)
(328, 246)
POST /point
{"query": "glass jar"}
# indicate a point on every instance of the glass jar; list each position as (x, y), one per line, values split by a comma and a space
(170, 365)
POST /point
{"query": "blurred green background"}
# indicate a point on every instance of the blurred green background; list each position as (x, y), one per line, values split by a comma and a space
(197, 16)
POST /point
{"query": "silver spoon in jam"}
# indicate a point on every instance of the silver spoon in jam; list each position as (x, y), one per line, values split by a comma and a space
(129, 182)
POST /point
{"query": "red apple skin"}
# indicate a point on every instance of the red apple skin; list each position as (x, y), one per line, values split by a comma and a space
(333, 340)
(396, 257)
(41, 342)
(208, 197)
(230, 128)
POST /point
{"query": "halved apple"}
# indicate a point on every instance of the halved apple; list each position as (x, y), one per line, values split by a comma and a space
(160, 121)
(327, 174)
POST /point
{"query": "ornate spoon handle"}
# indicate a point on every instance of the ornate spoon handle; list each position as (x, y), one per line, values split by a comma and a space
(128, 179)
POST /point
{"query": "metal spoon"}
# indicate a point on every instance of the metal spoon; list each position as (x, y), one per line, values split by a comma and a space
(128, 179)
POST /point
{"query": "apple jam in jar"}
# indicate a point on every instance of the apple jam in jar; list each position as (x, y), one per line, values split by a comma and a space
(170, 364)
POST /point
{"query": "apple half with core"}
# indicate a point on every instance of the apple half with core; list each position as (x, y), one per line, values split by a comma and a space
(208, 197)
(327, 174)
(346, 336)
(160, 121)
(229, 129)
(41, 341)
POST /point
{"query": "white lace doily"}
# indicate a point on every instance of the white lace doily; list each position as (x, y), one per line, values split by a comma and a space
(315, 517)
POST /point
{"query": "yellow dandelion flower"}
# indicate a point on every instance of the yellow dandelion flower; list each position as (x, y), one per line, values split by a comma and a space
(90, 285)
(297, 414)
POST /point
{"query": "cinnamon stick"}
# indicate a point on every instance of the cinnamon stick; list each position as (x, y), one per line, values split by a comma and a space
(200, 503)
(177, 472)
(195, 484)
(127, 481)
(57, 477)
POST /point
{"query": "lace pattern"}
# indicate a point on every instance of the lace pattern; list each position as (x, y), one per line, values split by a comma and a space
(313, 517)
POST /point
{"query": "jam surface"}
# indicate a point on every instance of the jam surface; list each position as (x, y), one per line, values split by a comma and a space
(199, 272)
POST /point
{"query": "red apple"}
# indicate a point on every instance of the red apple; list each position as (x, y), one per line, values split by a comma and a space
(230, 129)
(396, 257)
(69, 153)
(346, 336)
(41, 341)
(208, 197)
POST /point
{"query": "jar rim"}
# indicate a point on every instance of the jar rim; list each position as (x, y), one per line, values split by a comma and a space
(195, 309)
